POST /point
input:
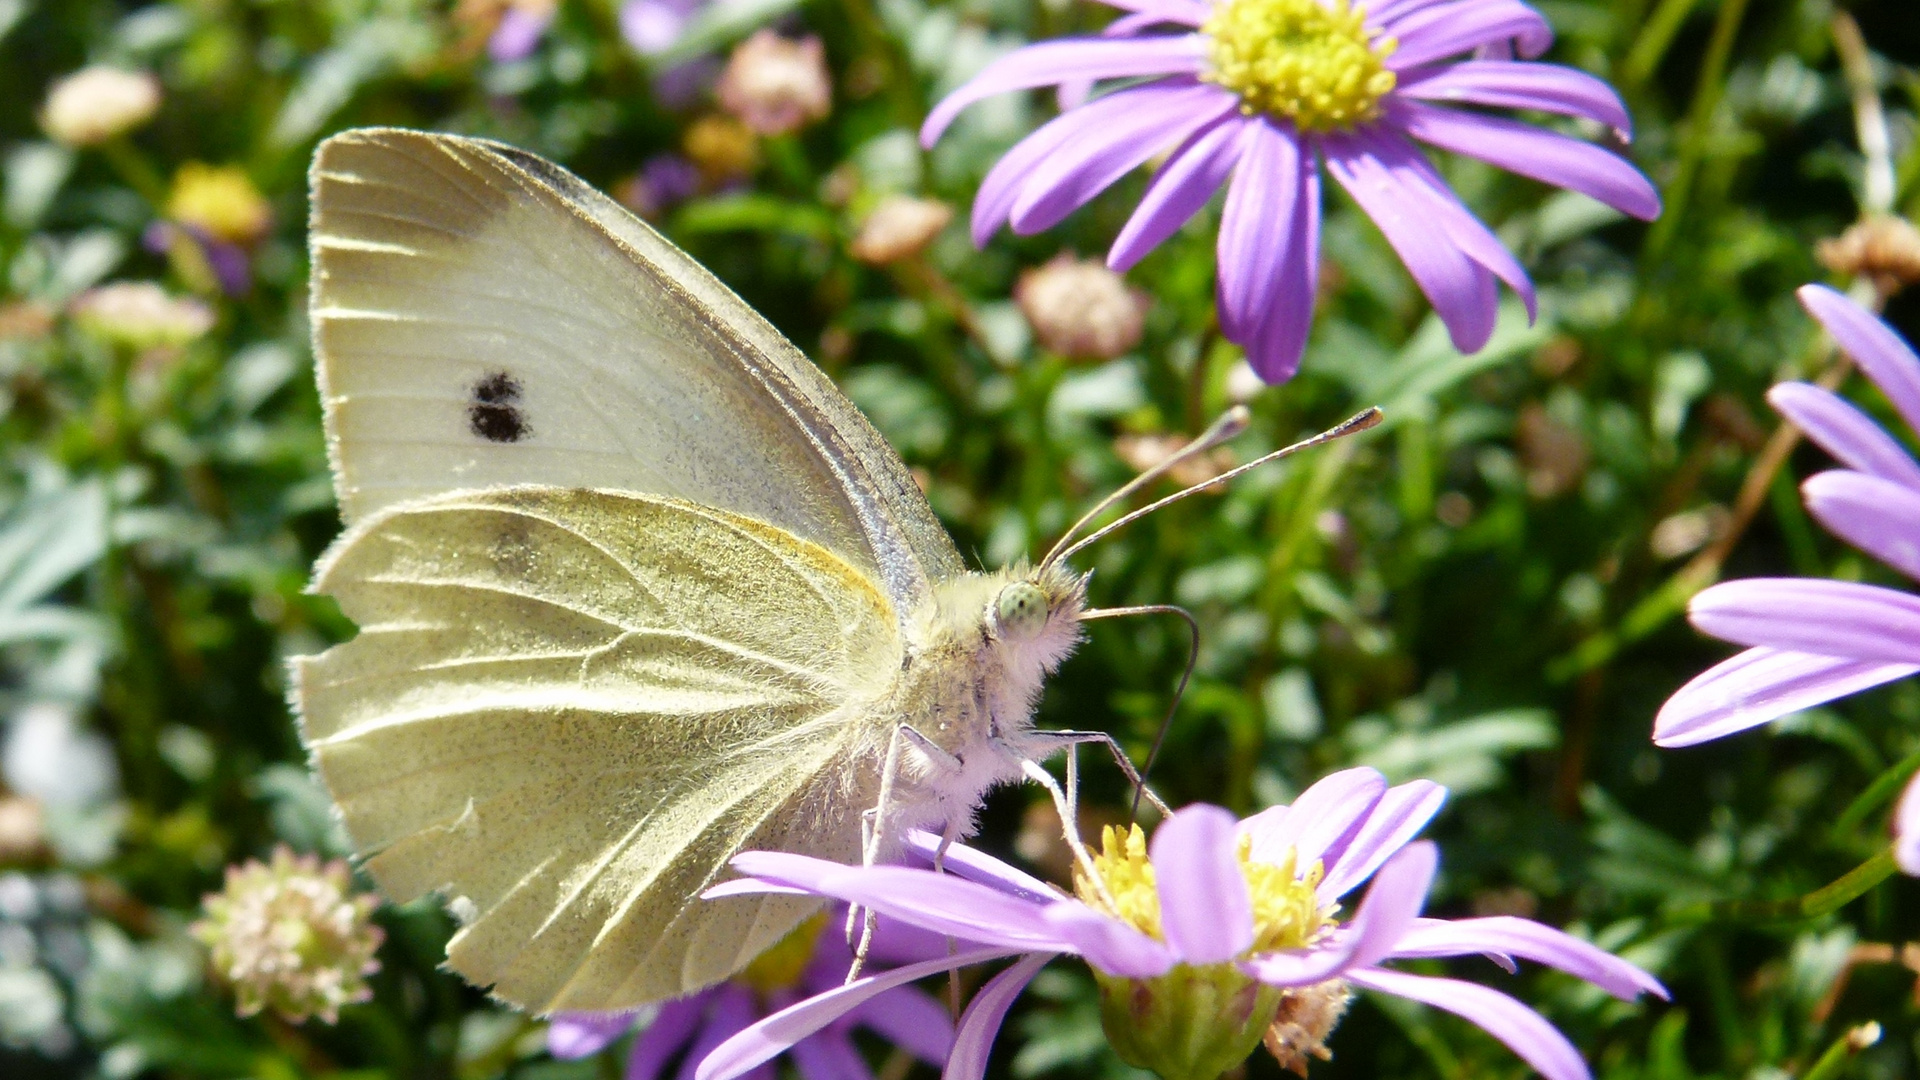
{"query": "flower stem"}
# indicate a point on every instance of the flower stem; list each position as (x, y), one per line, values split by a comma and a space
(1877, 793)
(1833, 1064)
(1825, 900)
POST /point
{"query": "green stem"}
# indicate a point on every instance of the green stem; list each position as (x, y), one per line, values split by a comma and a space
(1877, 793)
(1834, 1062)
(138, 173)
(1706, 101)
(1822, 901)
(1655, 36)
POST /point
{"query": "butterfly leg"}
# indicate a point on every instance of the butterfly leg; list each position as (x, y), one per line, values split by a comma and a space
(1038, 773)
(873, 825)
(1076, 738)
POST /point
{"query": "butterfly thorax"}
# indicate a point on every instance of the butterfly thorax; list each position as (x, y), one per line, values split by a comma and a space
(975, 659)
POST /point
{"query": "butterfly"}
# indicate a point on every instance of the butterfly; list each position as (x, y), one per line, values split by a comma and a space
(637, 587)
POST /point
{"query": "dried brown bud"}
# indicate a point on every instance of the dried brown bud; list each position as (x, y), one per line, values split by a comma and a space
(95, 104)
(1555, 455)
(722, 148)
(1883, 249)
(776, 86)
(1080, 309)
(900, 227)
(23, 829)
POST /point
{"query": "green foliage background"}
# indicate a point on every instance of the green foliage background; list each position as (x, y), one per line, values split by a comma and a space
(1468, 593)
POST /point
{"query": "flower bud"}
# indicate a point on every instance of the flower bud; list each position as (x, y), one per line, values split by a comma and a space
(1883, 249)
(140, 315)
(1080, 309)
(1193, 1023)
(776, 86)
(97, 103)
(287, 935)
(900, 227)
(722, 148)
(221, 201)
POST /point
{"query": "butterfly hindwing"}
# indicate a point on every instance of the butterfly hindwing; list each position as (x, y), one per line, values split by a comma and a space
(566, 709)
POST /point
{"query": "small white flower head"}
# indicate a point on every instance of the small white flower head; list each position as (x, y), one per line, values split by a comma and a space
(97, 103)
(1080, 309)
(776, 86)
(140, 315)
(900, 227)
(287, 935)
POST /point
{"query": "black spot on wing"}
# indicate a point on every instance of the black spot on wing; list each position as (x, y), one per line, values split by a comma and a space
(492, 413)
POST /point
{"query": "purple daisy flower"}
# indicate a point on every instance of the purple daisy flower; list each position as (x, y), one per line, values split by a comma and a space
(1217, 911)
(521, 27)
(810, 961)
(1813, 640)
(1256, 97)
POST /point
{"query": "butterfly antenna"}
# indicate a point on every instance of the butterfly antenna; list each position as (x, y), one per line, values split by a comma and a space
(1230, 424)
(1356, 423)
(1180, 691)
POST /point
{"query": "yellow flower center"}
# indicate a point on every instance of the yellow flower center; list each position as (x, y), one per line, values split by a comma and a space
(1312, 62)
(785, 960)
(1286, 912)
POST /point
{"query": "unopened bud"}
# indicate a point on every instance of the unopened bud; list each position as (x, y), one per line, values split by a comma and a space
(722, 148)
(140, 315)
(95, 104)
(1080, 309)
(1883, 249)
(899, 227)
(776, 86)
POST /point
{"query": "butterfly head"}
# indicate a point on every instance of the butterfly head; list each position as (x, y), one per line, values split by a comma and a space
(1037, 610)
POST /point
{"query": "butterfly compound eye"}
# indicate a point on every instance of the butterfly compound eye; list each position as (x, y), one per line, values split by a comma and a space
(1021, 610)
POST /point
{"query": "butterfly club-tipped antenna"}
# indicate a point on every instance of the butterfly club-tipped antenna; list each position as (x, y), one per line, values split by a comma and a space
(1230, 424)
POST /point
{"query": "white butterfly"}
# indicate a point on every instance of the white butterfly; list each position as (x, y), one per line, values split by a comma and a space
(637, 587)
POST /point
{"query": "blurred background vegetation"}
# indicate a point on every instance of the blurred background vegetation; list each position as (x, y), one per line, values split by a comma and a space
(1487, 591)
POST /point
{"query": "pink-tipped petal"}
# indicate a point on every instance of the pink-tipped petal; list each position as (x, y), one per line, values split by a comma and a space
(1885, 359)
(1393, 823)
(1877, 516)
(764, 1041)
(1325, 817)
(1509, 937)
(1460, 289)
(1437, 31)
(1525, 1032)
(1762, 685)
(1906, 829)
(1206, 911)
(1510, 84)
(1183, 185)
(1545, 156)
(1142, 122)
(981, 1022)
(1842, 430)
(1828, 618)
(1069, 60)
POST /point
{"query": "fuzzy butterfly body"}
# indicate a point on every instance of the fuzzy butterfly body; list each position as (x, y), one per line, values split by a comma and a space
(637, 587)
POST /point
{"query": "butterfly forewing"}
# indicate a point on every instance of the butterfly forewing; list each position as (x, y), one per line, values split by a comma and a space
(568, 708)
(481, 318)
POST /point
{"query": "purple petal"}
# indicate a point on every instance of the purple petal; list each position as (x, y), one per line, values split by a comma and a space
(1845, 432)
(1423, 184)
(1253, 226)
(1460, 290)
(1394, 821)
(1324, 817)
(1438, 31)
(943, 903)
(1189, 12)
(653, 26)
(1068, 60)
(1007, 179)
(765, 1040)
(911, 1019)
(1546, 156)
(1873, 345)
(1508, 937)
(672, 1027)
(1829, 618)
(577, 1035)
(731, 1010)
(981, 1022)
(978, 866)
(518, 33)
(1511, 84)
(1760, 685)
(1906, 829)
(1146, 120)
(1281, 338)
(1877, 516)
(1109, 944)
(830, 1055)
(1193, 172)
(1524, 1031)
(1393, 903)
(1206, 911)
